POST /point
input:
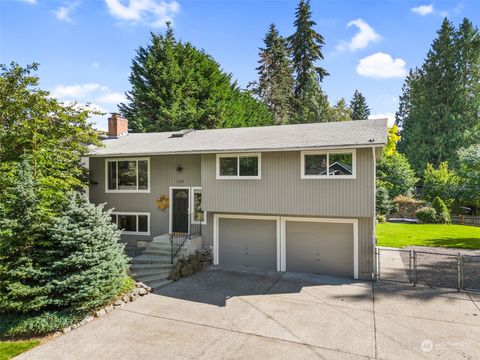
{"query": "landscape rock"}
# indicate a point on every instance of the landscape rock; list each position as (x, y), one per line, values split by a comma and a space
(100, 313)
(187, 270)
(67, 329)
(109, 308)
(118, 302)
(142, 292)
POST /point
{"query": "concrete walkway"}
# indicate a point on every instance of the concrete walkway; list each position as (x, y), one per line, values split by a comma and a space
(225, 314)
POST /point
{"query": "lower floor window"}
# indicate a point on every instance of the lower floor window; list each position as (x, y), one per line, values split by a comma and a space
(132, 223)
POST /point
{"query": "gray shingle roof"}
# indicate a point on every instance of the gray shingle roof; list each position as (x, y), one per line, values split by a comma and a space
(266, 138)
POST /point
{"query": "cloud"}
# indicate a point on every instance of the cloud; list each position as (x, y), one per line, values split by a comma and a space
(33, 2)
(63, 13)
(381, 66)
(365, 35)
(423, 10)
(149, 12)
(112, 98)
(74, 91)
(95, 96)
(95, 65)
(388, 115)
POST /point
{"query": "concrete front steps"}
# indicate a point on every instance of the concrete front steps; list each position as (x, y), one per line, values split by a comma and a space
(154, 264)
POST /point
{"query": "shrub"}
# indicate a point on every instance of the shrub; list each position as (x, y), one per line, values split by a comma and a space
(88, 265)
(384, 205)
(427, 215)
(381, 218)
(443, 216)
(20, 325)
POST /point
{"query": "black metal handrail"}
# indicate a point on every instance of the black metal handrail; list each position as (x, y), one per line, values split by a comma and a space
(178, 239)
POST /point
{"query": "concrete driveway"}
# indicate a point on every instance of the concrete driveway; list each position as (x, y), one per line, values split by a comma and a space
(225, 314)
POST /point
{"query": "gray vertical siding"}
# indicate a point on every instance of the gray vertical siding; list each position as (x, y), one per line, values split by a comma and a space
(163, 175)
(281, 190)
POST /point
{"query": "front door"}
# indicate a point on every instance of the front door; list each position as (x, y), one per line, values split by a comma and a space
(180, 210)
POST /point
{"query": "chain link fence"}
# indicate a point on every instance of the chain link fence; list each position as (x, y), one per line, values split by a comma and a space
(432, 269)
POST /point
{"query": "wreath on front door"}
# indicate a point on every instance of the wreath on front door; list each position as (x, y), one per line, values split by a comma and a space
(163, 202)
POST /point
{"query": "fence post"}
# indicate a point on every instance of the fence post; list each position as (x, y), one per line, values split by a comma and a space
(377, 252)
(414, 267)
(459, 272)
(410, 265)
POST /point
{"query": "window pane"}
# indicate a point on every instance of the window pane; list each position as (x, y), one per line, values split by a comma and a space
(228, 166)
(112, 175)
(113, 217)
(127, 222)
(249, 166)
(142, 175)
(127, 175)
(340, 164)
(142, 223)
(316, 164)
(197, 205)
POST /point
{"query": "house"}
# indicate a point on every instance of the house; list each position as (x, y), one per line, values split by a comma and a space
(297, 198)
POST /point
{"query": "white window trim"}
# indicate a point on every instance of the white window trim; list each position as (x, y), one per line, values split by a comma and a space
(327, 152)
(192, 206)
(134, 213)
(238, 156)
(107, 190)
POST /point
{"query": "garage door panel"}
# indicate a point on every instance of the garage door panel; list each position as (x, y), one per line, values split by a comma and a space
(248, 242)
(320, 248)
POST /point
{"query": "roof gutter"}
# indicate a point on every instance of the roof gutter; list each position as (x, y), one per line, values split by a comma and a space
(227, 151)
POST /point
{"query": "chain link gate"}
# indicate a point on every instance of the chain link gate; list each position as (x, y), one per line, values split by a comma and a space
(432, 269)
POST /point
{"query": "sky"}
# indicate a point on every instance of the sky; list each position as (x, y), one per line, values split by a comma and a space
(85, 47)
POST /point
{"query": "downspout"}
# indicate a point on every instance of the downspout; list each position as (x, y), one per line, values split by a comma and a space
(374, 222)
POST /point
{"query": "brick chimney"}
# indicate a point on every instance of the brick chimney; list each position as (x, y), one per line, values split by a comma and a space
(117, 126)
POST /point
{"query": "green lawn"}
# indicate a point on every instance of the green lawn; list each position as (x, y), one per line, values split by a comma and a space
(9, 349)
(452, 236)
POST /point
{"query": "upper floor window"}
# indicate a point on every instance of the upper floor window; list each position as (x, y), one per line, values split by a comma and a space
(239, 166)
(128, 175)
(328, 164)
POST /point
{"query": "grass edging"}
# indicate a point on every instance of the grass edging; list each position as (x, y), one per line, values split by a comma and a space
(10, 349)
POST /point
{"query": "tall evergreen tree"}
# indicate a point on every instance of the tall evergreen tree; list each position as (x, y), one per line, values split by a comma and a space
(440, 100)
(306, 50)
(23, 227)
(468, 46)
(176, 86)
(359, 107)
(275, 83)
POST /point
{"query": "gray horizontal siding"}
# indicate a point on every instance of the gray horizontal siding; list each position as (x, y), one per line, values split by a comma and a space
(163, 175)
(282, 191)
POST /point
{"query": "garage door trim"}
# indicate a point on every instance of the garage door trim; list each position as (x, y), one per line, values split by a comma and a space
(217, 217)
(283, 238)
